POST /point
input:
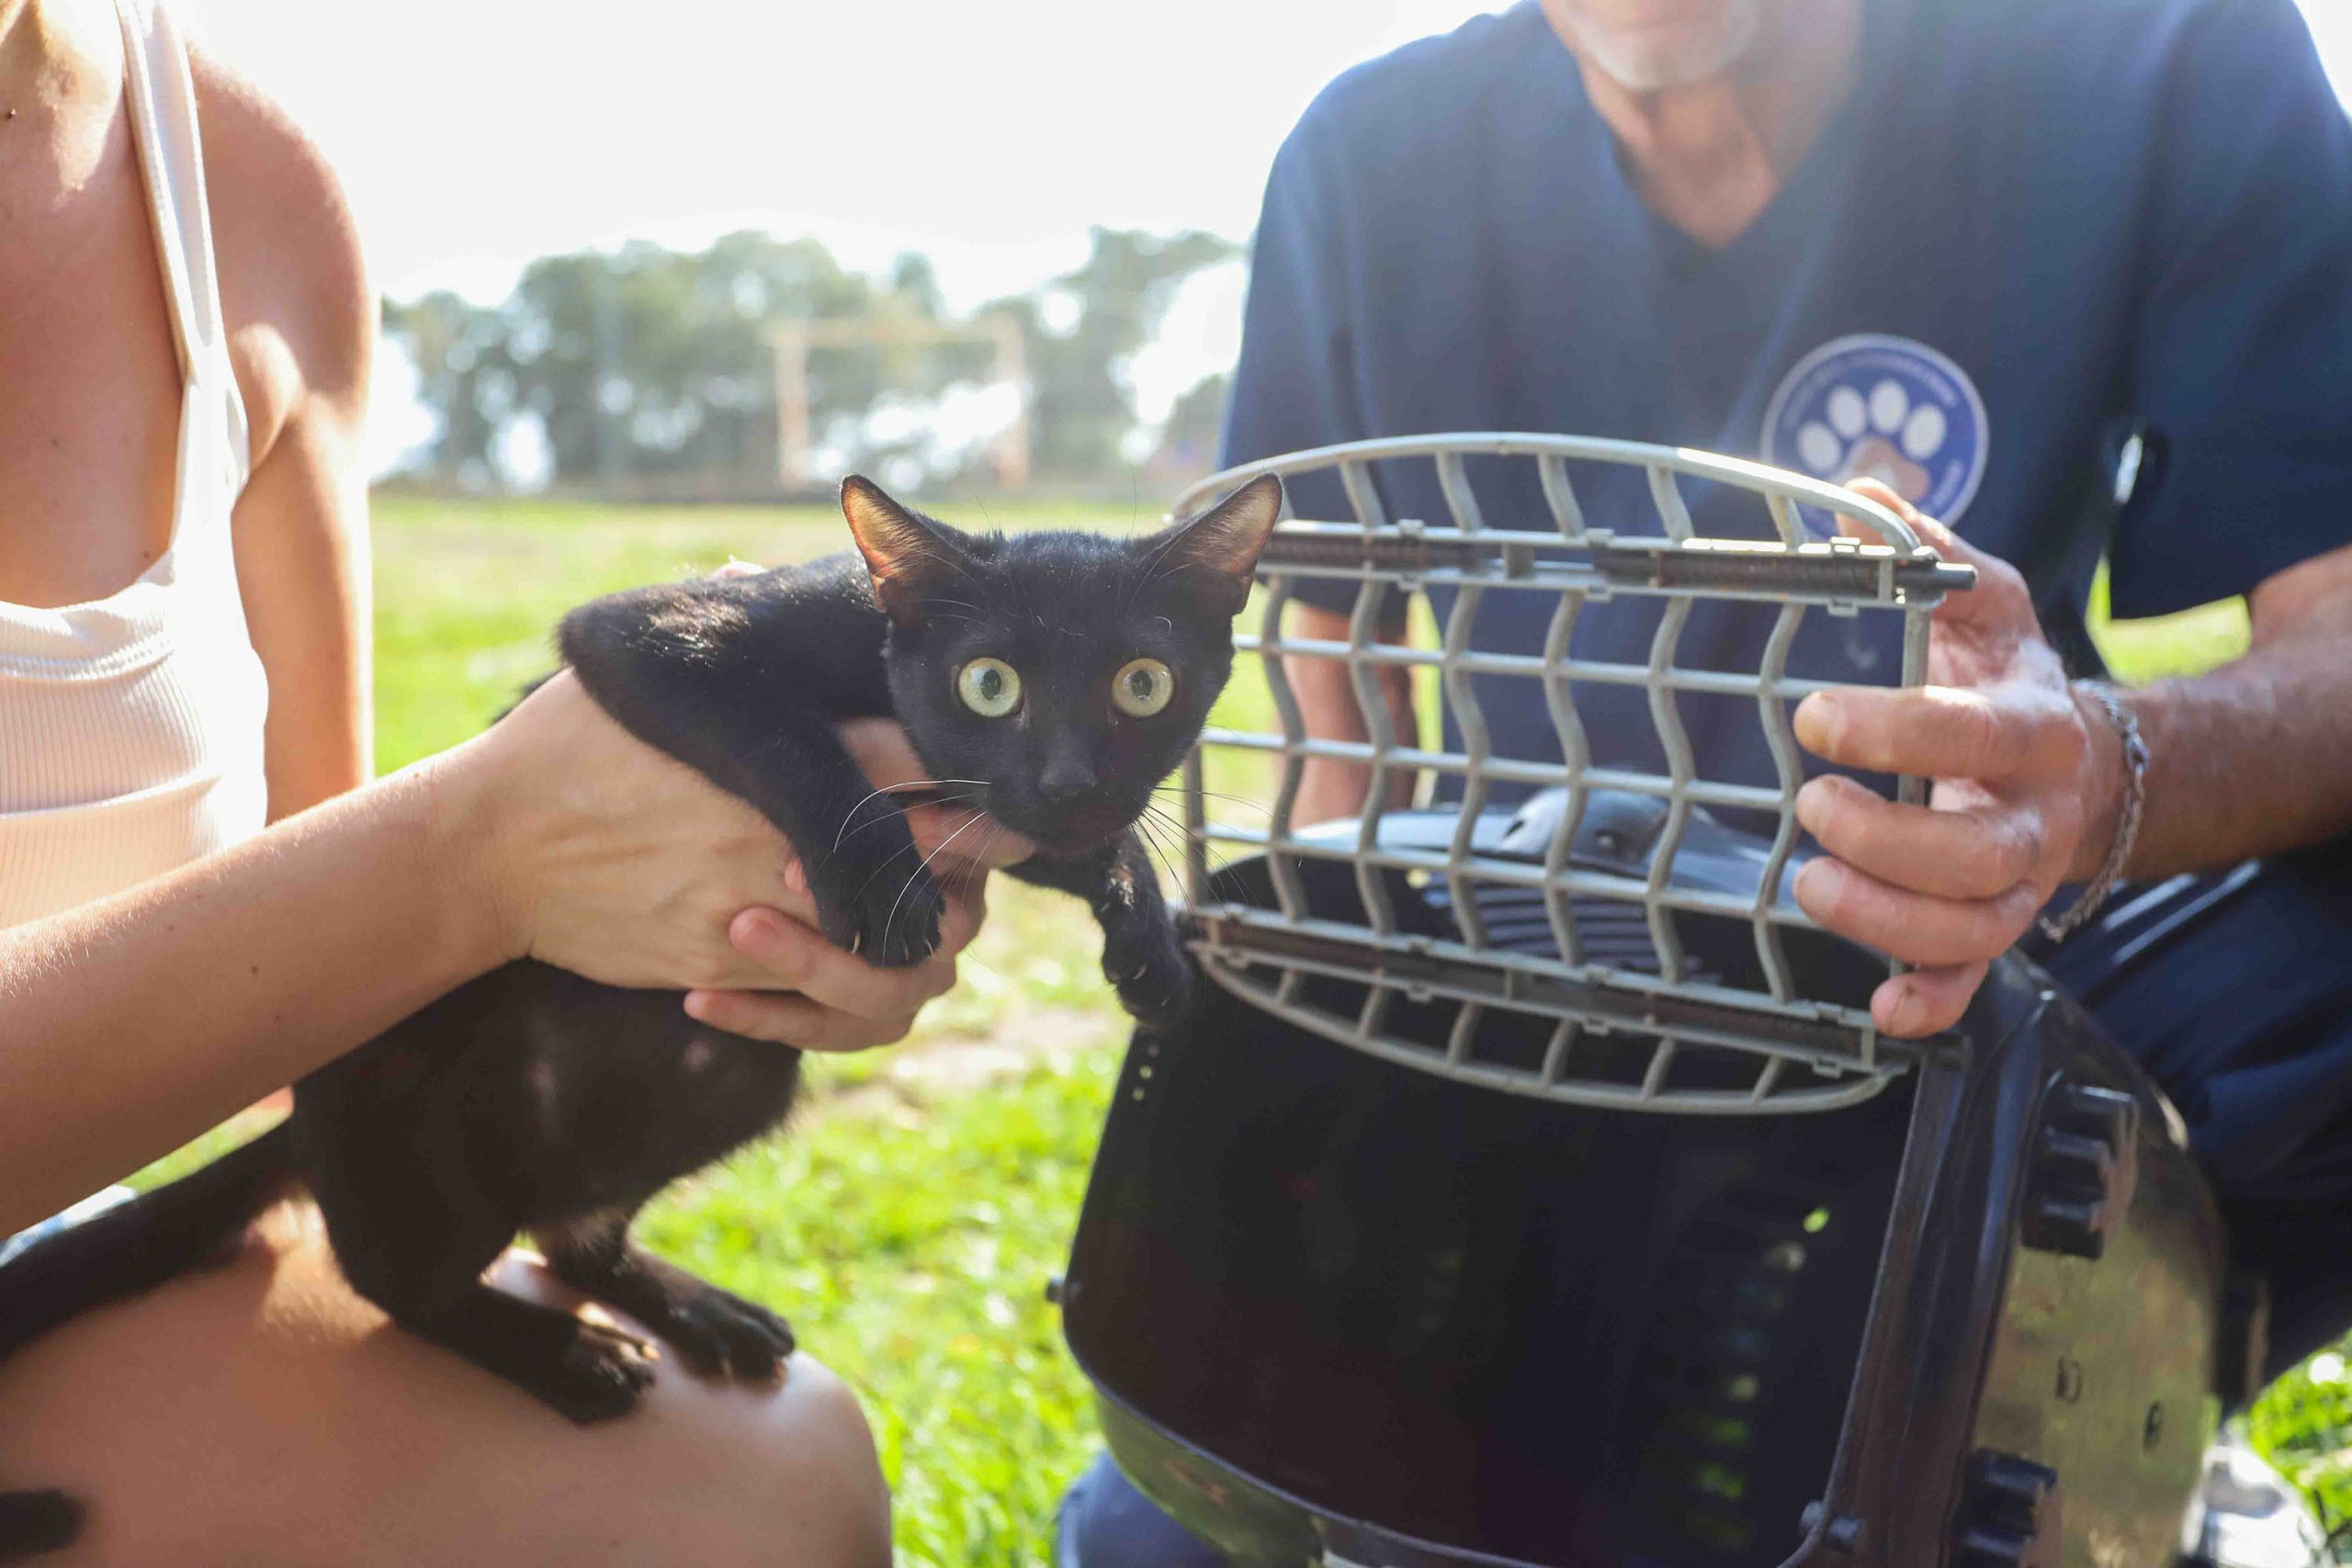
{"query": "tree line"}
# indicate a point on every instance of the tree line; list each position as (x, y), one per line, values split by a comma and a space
(648, 371)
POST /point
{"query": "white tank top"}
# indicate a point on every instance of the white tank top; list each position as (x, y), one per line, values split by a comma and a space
(131, 727)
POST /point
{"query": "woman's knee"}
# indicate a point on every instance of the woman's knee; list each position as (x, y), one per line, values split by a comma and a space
(786, 1476)
(264, 1407)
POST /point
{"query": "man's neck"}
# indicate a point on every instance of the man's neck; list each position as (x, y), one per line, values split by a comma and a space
(1709, 157)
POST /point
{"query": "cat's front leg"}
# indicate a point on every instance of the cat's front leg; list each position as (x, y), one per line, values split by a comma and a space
(669, 664)
(1142, 955)
(714, 1331)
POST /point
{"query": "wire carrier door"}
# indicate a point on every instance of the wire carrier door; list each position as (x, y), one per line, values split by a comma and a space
(1646, 1005)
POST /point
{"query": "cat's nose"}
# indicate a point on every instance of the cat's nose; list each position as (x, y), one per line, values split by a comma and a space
(1065, 779)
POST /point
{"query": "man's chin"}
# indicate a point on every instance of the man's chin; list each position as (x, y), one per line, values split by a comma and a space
(1656, 60)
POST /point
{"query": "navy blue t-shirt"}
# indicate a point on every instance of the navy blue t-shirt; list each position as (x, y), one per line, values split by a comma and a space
(2030, 231)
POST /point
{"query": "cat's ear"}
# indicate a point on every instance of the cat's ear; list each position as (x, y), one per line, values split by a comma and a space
(908, 559)
(1214, 555)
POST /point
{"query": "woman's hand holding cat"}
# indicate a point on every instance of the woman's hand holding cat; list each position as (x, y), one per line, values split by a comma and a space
(603, 856)
(842, 1002)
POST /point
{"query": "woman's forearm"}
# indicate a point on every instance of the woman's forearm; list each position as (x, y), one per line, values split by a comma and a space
(131, 1025)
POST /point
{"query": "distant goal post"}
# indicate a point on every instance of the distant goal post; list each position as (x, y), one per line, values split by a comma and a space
(791, 341)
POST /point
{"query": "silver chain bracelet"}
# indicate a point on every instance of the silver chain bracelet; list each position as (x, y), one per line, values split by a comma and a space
(2127, 821)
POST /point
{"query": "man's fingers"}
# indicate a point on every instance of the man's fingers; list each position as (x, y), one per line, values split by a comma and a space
(1940, 732)
(794, 1020)
(1949, 854)
(1911, 926)
(2000, 592)
(1922, 1001)
(1932, 533)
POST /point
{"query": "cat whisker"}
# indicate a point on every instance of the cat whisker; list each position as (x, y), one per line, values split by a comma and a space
(850, 815)
(1159, 812)
(1183, 835)
(887, 861)
(1257, 807)
(944, 800)
(891, 919)
(1167, 862)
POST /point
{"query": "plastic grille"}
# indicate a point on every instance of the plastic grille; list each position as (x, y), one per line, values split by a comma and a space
(1540, 967)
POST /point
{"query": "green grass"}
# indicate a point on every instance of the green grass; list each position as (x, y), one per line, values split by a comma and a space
(911, 1237)
(909, 1224)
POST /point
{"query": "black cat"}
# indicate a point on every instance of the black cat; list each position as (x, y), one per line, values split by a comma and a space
(1066, 673)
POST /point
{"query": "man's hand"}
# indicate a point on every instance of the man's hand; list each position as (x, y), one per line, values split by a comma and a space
(2026, 775)
(837, 1001)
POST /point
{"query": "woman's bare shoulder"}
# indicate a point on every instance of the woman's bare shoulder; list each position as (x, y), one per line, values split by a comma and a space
(301, 314)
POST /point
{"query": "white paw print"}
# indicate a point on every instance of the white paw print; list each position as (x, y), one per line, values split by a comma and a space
(1878, 436)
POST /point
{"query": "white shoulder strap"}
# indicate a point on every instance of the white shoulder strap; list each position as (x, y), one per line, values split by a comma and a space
(163, 108)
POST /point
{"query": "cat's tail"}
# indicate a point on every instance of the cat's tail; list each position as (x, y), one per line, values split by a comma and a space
(139, 1245)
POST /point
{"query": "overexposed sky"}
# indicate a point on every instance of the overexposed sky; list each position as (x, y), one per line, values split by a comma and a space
(473, 135)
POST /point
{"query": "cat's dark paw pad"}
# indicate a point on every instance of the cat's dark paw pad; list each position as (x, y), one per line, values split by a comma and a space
(878, 911)
(721, 1335)
(32, 1522)
(1154, 979)
(603, 1371)
(896, 923)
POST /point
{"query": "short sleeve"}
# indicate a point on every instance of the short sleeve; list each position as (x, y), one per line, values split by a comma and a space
(2242, 370)
(1294, 386)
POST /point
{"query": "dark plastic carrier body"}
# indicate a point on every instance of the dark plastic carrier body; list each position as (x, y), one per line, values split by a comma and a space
(1339, 1310)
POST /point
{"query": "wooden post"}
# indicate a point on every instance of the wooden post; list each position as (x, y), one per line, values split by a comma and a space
(790, 342)
(1012, 369)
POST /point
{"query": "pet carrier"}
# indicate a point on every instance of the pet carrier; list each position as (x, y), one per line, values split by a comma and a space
(1531, 1185)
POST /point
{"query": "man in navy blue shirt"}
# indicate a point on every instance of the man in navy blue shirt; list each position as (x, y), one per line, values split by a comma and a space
(2074, 280)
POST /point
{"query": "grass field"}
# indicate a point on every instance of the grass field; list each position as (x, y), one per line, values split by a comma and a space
(910, 1223)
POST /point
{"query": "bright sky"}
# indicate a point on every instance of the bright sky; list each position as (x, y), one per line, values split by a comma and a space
(474, 134)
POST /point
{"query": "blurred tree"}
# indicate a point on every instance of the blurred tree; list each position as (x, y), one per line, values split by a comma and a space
(646, 366)
(1196, 427)
(460, 352)
(648, 363)
(1081, 404)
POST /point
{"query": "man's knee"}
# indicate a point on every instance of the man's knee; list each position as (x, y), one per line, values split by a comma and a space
(1106, 1523)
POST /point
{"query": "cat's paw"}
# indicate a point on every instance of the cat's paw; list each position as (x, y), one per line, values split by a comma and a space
(35, 1522)
(603, 1371)
(893, 923)
(1148, 967)
(875, 900)
(718, 1334)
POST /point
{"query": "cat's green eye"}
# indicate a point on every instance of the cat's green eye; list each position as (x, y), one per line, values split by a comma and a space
(1142, 687)
(989, 687)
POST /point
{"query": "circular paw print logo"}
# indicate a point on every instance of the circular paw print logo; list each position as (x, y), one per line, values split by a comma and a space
(1881, 408)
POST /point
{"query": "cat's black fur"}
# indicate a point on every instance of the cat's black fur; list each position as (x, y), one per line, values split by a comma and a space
(532, 1099)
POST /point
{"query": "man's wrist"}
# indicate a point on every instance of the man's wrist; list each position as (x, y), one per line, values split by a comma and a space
(2104, 782)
